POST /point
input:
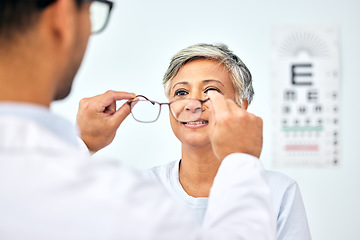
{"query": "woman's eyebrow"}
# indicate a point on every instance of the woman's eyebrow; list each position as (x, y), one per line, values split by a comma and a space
(204, 81)
(213, 80)
(181, 83)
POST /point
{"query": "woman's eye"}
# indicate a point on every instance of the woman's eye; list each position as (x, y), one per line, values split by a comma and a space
(212, 89)
(180, 92)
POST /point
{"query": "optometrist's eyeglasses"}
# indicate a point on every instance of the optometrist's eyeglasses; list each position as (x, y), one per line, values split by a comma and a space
(99, 12)
(148, 111)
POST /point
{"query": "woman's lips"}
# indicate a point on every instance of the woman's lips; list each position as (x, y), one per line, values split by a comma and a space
(196, 124)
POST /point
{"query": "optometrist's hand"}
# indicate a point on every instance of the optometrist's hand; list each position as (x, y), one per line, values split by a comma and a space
(232, 129)
(98, 118)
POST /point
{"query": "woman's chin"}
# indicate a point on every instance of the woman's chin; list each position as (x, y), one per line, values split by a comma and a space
(196, 142)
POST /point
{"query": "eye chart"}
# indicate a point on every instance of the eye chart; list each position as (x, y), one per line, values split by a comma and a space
(305, 96)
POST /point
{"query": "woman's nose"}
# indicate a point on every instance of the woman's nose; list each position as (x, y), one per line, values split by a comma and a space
(192, 106)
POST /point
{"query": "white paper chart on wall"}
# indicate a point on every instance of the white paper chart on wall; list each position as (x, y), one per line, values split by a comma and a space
(305, 96)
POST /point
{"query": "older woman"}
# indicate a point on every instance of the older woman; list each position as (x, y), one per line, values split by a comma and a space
(192, 73)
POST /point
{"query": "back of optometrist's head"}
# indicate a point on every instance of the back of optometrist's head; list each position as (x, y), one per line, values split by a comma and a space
(240, 74)
(19, 16)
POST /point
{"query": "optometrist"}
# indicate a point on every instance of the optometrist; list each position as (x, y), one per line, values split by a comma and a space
(51, 189)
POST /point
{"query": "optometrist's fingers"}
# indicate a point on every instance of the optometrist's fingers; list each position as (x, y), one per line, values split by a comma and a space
(98, 118)
(107, 101)
(218, 102)
(232, 129)
(120, 114)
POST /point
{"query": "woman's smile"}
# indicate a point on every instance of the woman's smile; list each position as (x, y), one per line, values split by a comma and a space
(196, 124)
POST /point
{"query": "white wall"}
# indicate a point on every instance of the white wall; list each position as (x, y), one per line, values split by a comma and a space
(134, 51)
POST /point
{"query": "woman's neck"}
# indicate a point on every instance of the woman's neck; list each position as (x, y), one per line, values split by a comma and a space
(197, 170)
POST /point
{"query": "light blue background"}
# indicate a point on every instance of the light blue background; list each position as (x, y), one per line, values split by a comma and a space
(133, 54)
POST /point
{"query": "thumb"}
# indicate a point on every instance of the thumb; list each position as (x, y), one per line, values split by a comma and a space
(212, 104)
(212, 119)
(121, 114)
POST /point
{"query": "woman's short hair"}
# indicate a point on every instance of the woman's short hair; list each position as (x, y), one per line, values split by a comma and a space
(239, 73)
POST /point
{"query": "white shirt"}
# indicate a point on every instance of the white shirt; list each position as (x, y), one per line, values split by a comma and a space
(51, 189)
(286, 200)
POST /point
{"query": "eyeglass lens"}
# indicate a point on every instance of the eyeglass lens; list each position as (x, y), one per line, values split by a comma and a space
(186, 110)
(99, 14)
(145, 111)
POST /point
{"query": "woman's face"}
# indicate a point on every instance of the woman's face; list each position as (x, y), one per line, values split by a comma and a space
(194, 80)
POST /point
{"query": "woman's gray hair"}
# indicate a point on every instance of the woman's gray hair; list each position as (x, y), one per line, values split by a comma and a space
(239, 73)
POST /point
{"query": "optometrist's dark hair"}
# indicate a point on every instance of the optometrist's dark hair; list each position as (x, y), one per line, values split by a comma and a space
(18, 16)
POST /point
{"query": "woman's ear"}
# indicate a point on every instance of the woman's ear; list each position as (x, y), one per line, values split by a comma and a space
(245, 103)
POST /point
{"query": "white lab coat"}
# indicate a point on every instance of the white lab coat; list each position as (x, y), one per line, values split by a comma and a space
(50, 189)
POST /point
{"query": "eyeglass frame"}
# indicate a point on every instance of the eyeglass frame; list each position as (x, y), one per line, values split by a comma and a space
(45, 3)
(160, 104)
